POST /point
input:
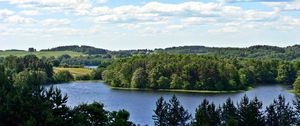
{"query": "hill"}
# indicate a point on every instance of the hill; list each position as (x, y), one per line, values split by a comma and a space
(82, 49)
(40, 54)
(257, 51)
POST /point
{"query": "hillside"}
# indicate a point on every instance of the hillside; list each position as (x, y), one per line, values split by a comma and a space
(40, 54)
(75, 48)
(258, 51)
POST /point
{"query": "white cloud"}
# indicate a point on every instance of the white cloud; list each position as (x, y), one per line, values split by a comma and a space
(55, 22)
(16, 19)
(129, 26)
(101, 1)
(67, 6)
(198, 21)
(176, 27)
(29, 12)
(285, 6)
(224, 30)
(5, 13)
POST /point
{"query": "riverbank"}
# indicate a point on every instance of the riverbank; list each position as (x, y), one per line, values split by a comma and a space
(182, 90)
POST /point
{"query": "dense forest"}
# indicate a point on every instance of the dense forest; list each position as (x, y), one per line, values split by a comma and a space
(84, 49)
(258, 51)
(171, 71)
(245, 113)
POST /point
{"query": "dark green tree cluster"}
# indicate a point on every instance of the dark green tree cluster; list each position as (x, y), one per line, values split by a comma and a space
(24, 102)
(297, 85)
(170, 113)
(30, 63)
(245, 113)
(257, 51)
(84, 49)
(167, 71)
(63, 76)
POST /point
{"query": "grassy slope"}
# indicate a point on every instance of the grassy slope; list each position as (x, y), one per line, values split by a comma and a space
(74, 71)
(40, 54)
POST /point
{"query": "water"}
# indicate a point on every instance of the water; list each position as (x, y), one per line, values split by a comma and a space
(140, 104)
(92, 67)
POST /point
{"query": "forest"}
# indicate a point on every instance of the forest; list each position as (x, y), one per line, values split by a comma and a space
(195, 72)
(24, 100)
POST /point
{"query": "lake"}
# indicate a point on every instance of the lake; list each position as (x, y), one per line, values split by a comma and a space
(140, 104)
(92, 67)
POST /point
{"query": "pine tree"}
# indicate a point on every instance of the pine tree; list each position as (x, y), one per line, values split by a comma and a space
(207, 114)
(177, 115)
(280, 113)
(160, 113)
(229, 113)
(249, 112)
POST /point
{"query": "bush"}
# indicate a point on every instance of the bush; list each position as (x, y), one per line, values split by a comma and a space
(63, 76)
(84, 77)
(27, 78)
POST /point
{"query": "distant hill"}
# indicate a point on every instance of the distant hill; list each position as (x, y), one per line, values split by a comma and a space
(40, 54)
(257, 51)
(83, 49)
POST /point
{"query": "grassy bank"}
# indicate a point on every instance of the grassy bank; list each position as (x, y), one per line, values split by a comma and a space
(40, 54)
(182, 90)
(75, 71)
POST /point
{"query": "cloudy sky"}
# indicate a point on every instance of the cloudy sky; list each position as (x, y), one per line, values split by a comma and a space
(132, 24)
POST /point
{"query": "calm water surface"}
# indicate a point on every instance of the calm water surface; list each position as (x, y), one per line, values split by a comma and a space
(140, 104)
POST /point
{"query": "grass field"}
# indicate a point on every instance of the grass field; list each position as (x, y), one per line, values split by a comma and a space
(40, 54)
(74, 71)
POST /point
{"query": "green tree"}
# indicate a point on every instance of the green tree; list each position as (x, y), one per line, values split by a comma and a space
(297, 85)
(177, 115)
(119, 118)
(176, 82)
(90, 115)
(229, 114)
(31, 78)
(163, 82)
(63, 76)
(161, 113)
(139, 78)
(286, 73)
(207, 114)
(250, 113)
(280, 113)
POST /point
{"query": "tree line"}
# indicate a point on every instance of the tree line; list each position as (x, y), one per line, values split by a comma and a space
(18, 69)
(179, 71)
(245, 113)
(257, 51)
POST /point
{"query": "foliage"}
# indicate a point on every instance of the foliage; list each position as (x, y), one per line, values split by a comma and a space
(83, 49)
(257, 51)
(297, 85)
(168, 71)
(27, 103)
(171, 113)
(63, 76)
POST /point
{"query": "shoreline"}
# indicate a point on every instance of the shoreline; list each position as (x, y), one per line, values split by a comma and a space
(181, 90)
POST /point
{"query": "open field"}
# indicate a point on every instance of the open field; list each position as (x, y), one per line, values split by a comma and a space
(40, 54)
(74, 71)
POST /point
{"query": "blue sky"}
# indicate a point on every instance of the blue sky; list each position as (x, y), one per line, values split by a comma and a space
(133, 24)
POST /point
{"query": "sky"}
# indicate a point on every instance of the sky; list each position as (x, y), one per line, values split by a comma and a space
(147, 24)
